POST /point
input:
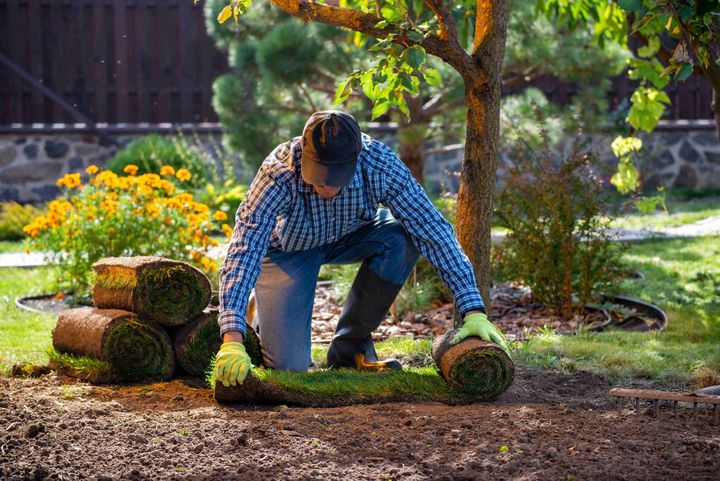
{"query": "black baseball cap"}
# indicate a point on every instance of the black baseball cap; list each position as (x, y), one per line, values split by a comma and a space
(331, 145)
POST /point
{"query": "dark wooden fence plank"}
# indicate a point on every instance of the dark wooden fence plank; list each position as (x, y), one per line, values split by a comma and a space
(167, 63)
(120, 64)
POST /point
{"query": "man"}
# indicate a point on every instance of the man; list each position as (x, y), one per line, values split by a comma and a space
(315, 200)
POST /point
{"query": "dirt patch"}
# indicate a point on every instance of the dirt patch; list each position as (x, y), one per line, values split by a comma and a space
(548, 426)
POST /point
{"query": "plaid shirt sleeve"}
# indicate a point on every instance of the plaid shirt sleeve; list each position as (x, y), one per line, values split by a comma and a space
(432, 234)
(255, 219)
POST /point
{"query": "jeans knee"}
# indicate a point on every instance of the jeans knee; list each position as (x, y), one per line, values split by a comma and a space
(286, 364)
(403, 246)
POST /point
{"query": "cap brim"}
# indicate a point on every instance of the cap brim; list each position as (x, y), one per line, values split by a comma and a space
(335, 175)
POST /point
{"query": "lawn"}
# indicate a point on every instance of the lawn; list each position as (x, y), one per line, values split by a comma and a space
(680, 275)
(681, 211)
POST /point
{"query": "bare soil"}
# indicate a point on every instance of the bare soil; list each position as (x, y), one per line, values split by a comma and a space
(548, 426)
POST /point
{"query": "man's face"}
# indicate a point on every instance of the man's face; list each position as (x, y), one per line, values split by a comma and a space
(327, 192)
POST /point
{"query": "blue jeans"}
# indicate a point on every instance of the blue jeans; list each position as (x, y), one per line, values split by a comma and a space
(285, 289)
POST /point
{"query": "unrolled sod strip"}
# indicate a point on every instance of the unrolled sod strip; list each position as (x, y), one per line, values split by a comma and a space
(169, 292)
(136, 349)
(473, 367)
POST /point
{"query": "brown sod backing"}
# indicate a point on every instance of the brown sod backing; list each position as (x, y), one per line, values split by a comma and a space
(475, 367)
(135, 349)
(163, 290)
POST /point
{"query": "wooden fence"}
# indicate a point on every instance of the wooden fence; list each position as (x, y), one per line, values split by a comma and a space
(151, 61)
(116, 61)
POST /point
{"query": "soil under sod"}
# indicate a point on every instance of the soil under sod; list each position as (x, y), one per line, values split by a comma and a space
(547, 426)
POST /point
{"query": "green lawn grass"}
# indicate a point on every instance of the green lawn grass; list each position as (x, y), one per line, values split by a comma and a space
(682, 276)
(681, 211)
(24, 335)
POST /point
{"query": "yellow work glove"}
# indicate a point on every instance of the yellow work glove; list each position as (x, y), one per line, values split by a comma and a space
(233, 364)
(477, 324)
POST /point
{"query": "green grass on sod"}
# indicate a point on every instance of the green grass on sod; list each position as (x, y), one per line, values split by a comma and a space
(347, 386)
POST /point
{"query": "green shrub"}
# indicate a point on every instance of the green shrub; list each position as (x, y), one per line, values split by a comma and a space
(13, 217)
(152, 152)
(558, 241)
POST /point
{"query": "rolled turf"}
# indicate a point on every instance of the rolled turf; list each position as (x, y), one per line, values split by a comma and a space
(197, 342)
(166, 291)
(474, 367)
(135, 349)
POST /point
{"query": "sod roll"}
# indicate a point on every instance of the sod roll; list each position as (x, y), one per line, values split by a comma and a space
(197, 342)
(136, 349)
(473, 367)
(168, 292)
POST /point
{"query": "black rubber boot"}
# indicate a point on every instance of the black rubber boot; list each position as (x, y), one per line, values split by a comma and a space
(368, 302)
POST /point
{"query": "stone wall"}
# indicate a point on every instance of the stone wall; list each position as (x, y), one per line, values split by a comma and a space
(30, 164)
(673, 158)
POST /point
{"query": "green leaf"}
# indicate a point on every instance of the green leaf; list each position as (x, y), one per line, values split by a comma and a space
(343, 91)
(382, 24)
(380, 108)
(391, 13)
(414, 56)
(647, 108)
(630, 5)
(626, 177)
(369, 88)
(684, 72)
(402, 104)
(647, 205)
(650, 49)
(415, 36)
(623, 146)
(432, 77)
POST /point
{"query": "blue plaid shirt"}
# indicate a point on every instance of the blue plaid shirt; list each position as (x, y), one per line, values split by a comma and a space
(283, 212)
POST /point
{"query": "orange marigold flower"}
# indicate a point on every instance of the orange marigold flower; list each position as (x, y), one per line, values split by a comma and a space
(59, 295)
(220, 216)
(26, 250)
(208, 264)
(92, 169)
(167, 170)
(130, 169)
(183, 174)
(227, 230)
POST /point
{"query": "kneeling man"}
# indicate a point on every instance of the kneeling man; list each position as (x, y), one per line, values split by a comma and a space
(316, 200)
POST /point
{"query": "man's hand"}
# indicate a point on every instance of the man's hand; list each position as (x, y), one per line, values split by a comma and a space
(477, 324)
(233, 364)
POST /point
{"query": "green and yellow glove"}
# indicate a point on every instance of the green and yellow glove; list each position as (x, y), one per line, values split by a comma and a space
(477, 324)
(233, 364)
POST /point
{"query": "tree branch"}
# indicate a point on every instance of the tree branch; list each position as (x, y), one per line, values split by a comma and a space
(449, 51)
(446, 22)
(483, 24)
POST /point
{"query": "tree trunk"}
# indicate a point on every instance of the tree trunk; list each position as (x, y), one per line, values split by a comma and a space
(411, 138)
(477, 182)
(483, 87)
